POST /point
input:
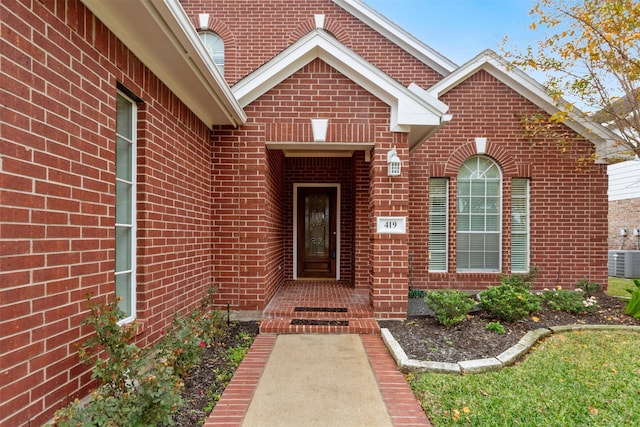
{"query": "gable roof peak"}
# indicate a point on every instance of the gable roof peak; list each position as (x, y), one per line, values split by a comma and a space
(416, 114)
(398, 35)
(529, 88)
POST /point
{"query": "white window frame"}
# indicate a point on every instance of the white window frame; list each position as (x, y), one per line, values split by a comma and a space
(470, 232)
(524, 262)
(130, 308)
(441, 267)
(217, 55)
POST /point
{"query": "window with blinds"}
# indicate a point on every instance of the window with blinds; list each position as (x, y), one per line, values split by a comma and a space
(520, 225)
(479, 216)
(438, 224)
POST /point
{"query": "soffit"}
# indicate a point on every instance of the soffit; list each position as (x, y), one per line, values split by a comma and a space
(159, 33)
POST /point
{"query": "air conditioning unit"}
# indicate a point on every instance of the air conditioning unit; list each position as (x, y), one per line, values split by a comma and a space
(624, 264)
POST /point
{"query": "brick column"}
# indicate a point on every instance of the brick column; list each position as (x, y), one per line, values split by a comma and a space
(389, 253)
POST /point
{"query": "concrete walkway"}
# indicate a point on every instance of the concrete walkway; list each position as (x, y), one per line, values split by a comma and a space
(318, 380)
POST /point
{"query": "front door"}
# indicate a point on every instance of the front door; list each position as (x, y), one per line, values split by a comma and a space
(316, 232)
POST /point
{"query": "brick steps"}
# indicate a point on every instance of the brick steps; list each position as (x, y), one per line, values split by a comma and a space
(319, 308)
(285, 326)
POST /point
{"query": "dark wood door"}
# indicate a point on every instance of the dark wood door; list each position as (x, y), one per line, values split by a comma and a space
(316, 232)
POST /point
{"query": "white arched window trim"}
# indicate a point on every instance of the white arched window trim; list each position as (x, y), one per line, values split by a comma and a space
(479, 216)
(215, 47)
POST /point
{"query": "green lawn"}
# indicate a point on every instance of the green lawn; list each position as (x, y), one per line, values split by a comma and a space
(589, 378)
(617, 287)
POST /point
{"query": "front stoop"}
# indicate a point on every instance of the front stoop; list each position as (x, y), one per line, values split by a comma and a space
(334, 326)
(319, 308)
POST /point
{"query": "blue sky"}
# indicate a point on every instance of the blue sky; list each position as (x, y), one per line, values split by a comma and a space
(460, 29)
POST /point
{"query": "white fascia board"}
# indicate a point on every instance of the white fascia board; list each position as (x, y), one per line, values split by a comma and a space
(526, 86)
(159, 33)
(398, 36)
(407, 108)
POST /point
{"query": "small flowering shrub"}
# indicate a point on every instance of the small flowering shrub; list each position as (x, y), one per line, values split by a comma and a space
(570, 301)
(511, 300)
(588, 288)
(449, 306)
(138, 387)
(182, 344)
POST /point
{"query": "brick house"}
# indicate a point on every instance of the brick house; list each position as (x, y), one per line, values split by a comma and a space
(156, 149)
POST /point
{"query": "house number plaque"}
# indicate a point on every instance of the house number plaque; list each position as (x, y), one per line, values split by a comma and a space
(392, 224)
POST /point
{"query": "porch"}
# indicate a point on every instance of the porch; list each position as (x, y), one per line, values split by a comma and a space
(319, 307)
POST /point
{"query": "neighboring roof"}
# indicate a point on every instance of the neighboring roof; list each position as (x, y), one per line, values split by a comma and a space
(622, 107)
(526, 86)
(159, 33)
(417, 115)
(397, 35)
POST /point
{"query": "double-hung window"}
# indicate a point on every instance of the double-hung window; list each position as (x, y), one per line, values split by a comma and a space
(125, 245)
(438, 224)
(519, 225)
(479, 216)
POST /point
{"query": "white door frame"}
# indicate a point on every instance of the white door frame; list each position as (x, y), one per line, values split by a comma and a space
(295, 223)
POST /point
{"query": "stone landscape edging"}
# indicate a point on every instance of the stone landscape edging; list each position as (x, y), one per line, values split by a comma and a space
(476, 366)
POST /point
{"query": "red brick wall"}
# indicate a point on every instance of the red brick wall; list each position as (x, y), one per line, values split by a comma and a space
(568, 207)
(255, 32)
(624, 214)
(59, 70)
(322, 170)
(248, 178)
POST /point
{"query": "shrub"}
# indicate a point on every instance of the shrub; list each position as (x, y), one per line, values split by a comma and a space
(449, 306)
(138, 387)
(416, 293)
(131, 391)
(589, 288)
(510, 301)
(569, 301)
(633, 306)
(495, 327)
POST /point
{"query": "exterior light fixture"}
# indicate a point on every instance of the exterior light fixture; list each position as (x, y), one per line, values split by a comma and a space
(393, 163)
(319, 128)
(623, 232)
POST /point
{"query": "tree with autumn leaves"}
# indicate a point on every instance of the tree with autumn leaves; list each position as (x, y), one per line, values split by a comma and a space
(591, 51)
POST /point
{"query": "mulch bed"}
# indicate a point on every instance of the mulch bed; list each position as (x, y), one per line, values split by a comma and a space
(423, 338)
(207, 376)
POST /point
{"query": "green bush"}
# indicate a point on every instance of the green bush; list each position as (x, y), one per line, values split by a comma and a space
(138, 387)
(416, 293)
(186, 339)
(569, 301)
(495, 327)
(449, 306)
(633, 306)
(131, 390)
(511, 300)
(589, 288)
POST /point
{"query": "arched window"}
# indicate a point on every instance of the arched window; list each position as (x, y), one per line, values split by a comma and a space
(215, 47)
(479, 215)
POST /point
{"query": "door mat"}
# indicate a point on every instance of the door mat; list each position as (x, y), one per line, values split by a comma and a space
(315, 322)
(322, 309)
